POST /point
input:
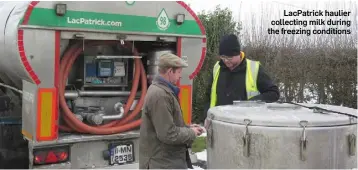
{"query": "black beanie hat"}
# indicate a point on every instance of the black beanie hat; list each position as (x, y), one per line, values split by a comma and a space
(229, 46)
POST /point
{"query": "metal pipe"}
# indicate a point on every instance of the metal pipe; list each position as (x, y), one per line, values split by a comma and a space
(117, 107)
(115, 57)
(71, 94)
(112, 117)
(12, 88)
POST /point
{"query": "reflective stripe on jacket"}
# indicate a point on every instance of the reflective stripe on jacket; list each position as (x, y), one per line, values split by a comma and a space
(251, 79)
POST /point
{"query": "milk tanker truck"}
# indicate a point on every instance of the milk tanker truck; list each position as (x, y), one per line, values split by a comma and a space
(75, 74)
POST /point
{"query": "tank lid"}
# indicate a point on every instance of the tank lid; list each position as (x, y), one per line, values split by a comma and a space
(281, 114)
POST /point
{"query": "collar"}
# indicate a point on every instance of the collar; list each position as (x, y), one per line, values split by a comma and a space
(163, 81)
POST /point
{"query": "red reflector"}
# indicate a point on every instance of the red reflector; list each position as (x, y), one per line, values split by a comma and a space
(38, 159)
(51, 157)
(62, 156)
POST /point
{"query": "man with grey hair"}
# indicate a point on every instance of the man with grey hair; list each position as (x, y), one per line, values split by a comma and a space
(164, 136)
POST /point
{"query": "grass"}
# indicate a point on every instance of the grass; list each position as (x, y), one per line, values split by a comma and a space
(199, 144)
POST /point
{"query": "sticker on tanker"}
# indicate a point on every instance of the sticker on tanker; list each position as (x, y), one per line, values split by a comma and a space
(163, 22)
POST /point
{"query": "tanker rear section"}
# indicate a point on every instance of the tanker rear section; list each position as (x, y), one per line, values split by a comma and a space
(82, 70)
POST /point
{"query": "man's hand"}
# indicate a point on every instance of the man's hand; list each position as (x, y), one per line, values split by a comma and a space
(194, 125)
(198, 130)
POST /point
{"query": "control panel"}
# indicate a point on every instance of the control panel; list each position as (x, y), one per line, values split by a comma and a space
(105, 68)
(105, 72)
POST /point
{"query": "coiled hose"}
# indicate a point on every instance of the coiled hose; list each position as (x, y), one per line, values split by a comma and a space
(117, 126)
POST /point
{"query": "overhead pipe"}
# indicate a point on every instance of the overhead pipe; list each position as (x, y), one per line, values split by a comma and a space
(72, 94)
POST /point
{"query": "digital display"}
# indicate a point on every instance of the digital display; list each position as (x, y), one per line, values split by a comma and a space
(105, 68)
(106, 64)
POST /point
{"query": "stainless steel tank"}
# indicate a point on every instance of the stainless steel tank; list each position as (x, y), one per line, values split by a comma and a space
(252, 135)
(11, 64)
(152, 62)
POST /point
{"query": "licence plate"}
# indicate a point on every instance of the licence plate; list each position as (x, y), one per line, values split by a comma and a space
(121, 154)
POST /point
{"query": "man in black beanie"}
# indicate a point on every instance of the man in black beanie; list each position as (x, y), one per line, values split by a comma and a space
(235, 77)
